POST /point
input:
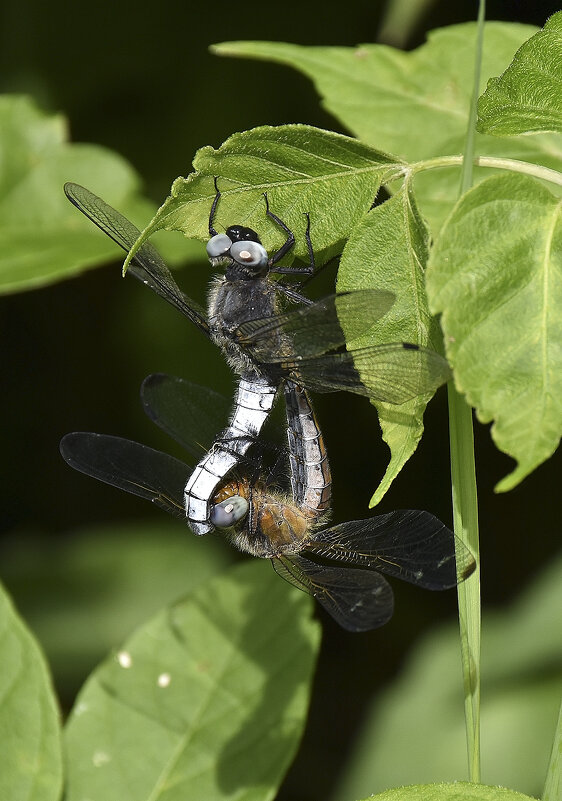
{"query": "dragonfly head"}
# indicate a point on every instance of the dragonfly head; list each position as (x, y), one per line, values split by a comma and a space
(239, 247)
(229, 512)
(239, 233)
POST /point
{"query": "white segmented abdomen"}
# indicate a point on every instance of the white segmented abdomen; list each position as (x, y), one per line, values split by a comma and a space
(253, 402)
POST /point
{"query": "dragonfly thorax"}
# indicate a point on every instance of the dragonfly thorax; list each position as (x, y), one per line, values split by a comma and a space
(231, 303)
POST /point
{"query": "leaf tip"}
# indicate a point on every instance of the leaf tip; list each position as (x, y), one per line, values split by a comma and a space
(512, 479)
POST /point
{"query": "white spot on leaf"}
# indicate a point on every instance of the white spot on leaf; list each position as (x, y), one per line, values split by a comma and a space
(100, 758)
(125, 659)
(80, 708)
(164, 680)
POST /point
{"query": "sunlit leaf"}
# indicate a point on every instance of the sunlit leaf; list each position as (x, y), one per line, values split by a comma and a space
(414, 104)
(31, 765)
(415, 731)
(456, 791)
(495, 273)
(206, 701)
(527, 97)
(43, 239)
(302, 169)
(389, 250)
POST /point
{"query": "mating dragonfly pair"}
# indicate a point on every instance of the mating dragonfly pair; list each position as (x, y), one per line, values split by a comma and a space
(274, 350)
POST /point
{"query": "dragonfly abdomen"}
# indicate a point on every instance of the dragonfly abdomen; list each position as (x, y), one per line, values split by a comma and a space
(311, 478)
(253, 403)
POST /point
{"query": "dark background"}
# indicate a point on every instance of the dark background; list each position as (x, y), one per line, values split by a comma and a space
(138, 78)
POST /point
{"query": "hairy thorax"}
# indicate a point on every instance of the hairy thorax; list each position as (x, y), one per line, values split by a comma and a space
(232, 303)
(275, 525)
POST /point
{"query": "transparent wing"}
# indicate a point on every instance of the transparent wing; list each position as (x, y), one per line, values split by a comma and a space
(189, 413)
(358, 600)
(300, 341)
(147, 265)
(311, 330)
(196, 417)
(132, 467)
(394, 373)
(411, 545)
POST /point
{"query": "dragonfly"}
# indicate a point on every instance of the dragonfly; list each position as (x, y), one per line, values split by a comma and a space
(268, 347)
(341, 566)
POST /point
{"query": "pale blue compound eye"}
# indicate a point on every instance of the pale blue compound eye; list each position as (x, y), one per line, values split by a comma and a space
(218, 246)
(249, 254)
(229, 512)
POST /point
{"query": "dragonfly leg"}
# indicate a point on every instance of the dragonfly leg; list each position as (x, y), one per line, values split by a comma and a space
(212, 230)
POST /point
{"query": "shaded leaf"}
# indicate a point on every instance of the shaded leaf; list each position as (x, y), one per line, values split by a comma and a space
(527, 97)
(42, 238)
(495, 273)
(428, 89)
(206, 701)
(521, 677)
(101, 583)
(29, 719)
(389, 250)
(302, 169)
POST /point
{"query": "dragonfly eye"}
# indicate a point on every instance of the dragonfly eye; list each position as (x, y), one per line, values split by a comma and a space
(218, 246)
(249, 254)
(229, 512)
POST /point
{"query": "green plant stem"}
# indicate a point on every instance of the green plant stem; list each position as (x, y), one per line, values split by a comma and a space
(553, 784)
(465, 519)
(463, 483)
(514, 165)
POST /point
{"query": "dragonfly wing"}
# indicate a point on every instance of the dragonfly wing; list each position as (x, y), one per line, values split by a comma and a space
(300, 343)
(189, 413)
(359, 600)
(311, 330)
(147, 265)
(411, 545)
(393, 373)
(132, 467)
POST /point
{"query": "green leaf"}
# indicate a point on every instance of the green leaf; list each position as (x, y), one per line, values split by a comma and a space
(527, 97)
(389, 250)
(495, 273)
(521, 677)
(206, 701)
(302, 169)
(456, 791)
(29, 719)
(414, 104)
(102, 582)
(43, 239)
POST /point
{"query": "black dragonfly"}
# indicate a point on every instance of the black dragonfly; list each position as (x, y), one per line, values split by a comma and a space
(310, 347)
(340, 566)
